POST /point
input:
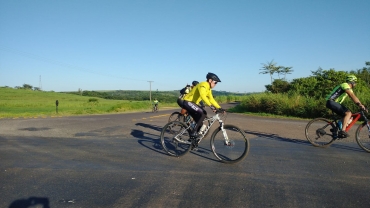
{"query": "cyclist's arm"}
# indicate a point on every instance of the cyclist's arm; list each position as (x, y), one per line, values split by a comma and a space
(206, 96)
(354, 98)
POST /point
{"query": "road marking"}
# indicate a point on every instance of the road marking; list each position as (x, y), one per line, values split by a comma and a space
(159, 116)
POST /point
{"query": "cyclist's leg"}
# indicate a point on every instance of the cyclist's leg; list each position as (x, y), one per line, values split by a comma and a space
(340, 110)
(180, 102)
(197, 113)
(183, 111)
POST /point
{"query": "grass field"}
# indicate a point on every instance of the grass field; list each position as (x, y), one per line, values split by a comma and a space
(29, 103)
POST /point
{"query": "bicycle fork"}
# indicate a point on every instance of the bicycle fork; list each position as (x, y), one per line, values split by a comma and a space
(366, 121)
(368, 128)
(227, 141)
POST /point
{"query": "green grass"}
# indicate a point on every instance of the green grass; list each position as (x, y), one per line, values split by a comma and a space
(28, 103)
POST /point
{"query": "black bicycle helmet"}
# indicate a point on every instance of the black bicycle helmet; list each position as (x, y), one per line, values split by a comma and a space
(194, 83)
(213, 77)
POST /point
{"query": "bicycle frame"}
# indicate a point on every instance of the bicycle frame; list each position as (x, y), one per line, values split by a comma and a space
(355, 118)
(358, 116)
(210, 121)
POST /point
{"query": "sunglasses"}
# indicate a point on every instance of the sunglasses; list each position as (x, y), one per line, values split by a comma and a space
(215, 82)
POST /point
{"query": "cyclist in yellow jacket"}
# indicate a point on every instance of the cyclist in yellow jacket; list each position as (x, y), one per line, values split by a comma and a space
(201, 92)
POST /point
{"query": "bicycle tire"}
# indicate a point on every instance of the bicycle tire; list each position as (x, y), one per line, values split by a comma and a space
(237, 149)
(172, 146)
(176, 116)
(363, 137)
(319, 132)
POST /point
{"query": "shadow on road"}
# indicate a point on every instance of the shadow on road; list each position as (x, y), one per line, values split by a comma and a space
(345, 147)
(302, 142)
(155, 128)
(30, 202)
(148, 141)
(205, 153)
(276, 137)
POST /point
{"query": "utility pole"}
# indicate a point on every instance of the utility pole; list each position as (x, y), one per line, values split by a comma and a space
(150, 91)
(40, 84)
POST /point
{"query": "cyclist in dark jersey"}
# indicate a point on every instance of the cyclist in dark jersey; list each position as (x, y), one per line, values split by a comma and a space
(180, 99)
(337, 96)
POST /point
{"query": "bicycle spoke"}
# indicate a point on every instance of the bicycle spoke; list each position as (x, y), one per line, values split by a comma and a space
(176, 116)
(231, 150)
(174, 138)
(319, 132)
(363, 137)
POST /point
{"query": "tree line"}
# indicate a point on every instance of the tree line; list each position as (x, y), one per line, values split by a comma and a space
(305, 97)
(135, 95)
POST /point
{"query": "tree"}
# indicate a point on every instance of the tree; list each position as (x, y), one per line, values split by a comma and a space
(27, 87)
(364, 73)
(286, 70)
(278, 86)
(270, 68)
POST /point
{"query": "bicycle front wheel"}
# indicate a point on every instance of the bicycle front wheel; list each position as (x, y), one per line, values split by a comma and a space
(319, 132)
(237, 147)
(363, 137)
(174, 138)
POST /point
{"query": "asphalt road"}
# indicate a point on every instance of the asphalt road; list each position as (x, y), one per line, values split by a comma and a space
(117, 161)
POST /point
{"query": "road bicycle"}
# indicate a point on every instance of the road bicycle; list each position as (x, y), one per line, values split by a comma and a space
(322, 132)
(228, 142)
(154, 109)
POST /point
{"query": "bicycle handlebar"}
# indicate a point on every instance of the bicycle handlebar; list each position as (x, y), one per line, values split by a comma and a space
(221, 110)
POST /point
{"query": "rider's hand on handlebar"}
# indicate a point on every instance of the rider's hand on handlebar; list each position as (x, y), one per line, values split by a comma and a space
(221, 110)
(213, 108)
(362, 107)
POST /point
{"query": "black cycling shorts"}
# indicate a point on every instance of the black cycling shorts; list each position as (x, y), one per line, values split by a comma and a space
(180, 102)
(337, 107)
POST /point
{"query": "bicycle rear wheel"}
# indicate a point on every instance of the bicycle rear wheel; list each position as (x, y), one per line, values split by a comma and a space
(176, 116)
(363, 137)
(174, 138)
(237, 148)
(319, 132)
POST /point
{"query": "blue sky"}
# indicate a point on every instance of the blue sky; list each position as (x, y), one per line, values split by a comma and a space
(121, 45)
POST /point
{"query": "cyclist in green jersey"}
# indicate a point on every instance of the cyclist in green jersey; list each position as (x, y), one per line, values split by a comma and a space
(155, 102)
(201, 92)
(337, 96)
